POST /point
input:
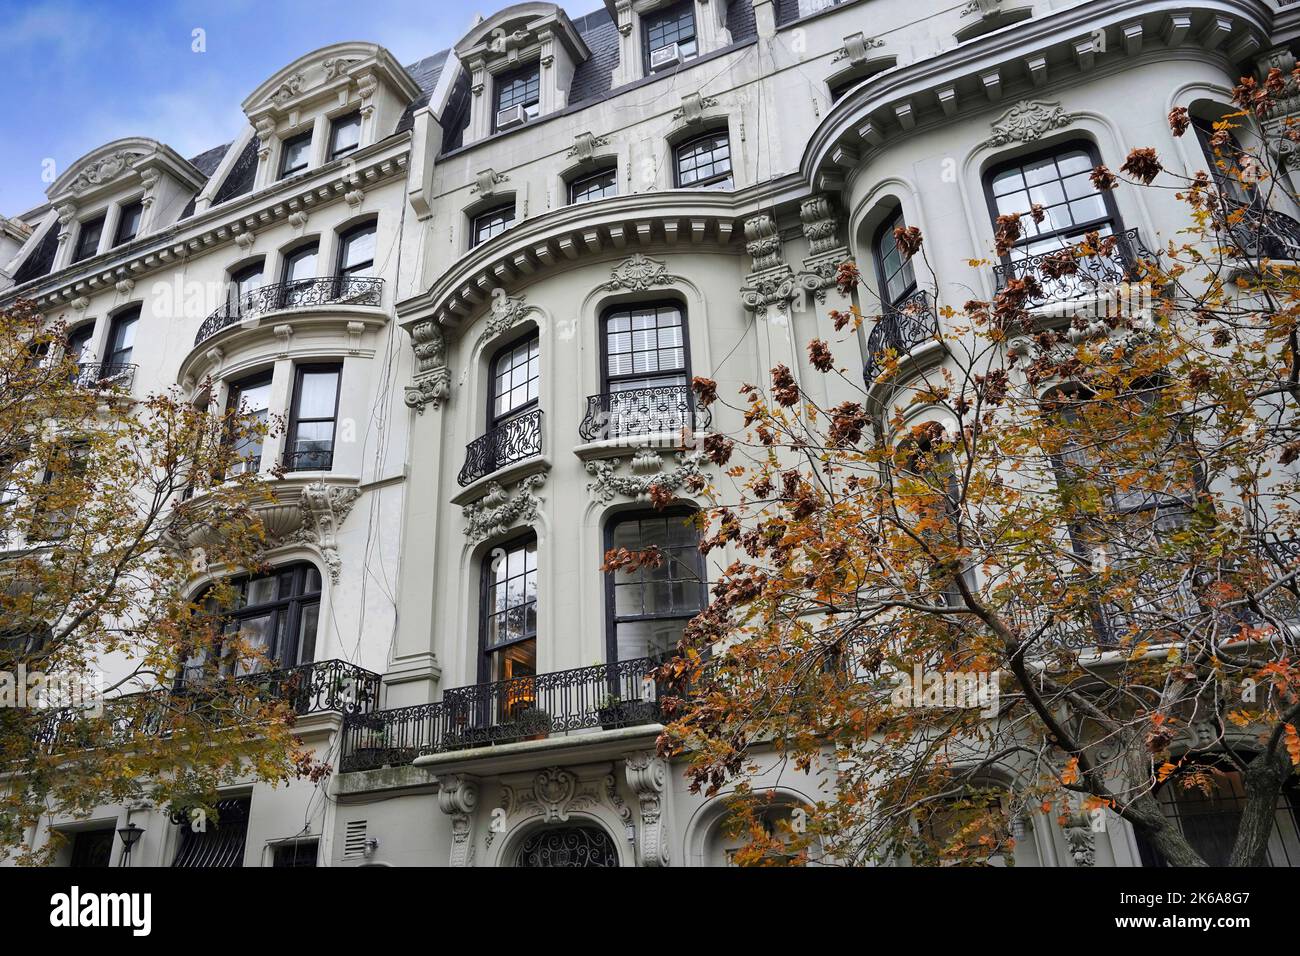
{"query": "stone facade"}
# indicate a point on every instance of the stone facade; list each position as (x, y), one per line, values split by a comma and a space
(829, 118)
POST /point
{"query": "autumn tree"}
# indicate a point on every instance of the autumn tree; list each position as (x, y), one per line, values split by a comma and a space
(1094, 506)
(117, 680)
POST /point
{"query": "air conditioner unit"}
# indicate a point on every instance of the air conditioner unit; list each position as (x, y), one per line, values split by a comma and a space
(665, 57)
(510, 117)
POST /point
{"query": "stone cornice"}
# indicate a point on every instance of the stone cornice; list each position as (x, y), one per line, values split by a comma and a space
(972, 75)
(612, 226)
(215, 228)
(118, 165)
(322, 73)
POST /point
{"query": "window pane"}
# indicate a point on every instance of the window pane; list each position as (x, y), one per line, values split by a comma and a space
(88, 238)
(317, 394)
(294, 154)
(604, 183)
(301, 265)
(345, 134)
(128, 223)
(358, 251)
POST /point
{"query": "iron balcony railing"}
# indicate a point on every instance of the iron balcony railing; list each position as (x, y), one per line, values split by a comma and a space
(647, 410)
(105, 375)
(318, 687)
(319, 458)
(298, 294)
(509, 442)
(1262, 232)
(1094, 275)
(903, 327)
(619, 694)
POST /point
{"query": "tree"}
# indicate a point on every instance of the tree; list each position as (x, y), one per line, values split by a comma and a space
(112, 511)
(1095, 510)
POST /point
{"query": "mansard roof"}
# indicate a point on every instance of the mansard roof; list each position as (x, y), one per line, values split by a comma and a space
(316, 72)
(106, 166)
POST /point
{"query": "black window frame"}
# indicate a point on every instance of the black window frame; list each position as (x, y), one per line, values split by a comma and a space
(336, 125)
(479, 219)
(78, 342)
(296, 420)
(234, 398)
(292, 289)
(1111, 219)
(722, 181)
(88, 842)
(289, 606)
(238, 278)
(370, 227)
(136, 208)
(658, 19)
(577, 182)
(683, 513)
(294, 854)
(285, 149)
(115, 354)
(84, 231)
(628, 308)
(495, 419)
(502, 83)
(885, 233)
(487, 581)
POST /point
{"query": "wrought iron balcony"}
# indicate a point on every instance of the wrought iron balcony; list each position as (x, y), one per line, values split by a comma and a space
(649, 410)
(1263, 232)
(299, 294)
(318, 687)
(303, 458)
(105, 375)
(620, 694)
(1094, 275)
(901, 328)
(509, 442)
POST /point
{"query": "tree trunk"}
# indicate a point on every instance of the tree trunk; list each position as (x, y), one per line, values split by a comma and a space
(1165, 838)
(1263, 781)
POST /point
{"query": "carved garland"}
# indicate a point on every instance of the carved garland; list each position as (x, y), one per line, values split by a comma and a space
(498, 510)
(607, 484)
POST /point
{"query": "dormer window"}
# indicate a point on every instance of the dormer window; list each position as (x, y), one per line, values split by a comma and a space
(294, 154)
(670, 36)
(518, 97)
(596, 186)
(491, 223)
(128, 222)
(345, 134)
(88, 238)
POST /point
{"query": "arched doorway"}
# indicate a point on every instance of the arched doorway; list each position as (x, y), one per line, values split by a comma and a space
(576, 846)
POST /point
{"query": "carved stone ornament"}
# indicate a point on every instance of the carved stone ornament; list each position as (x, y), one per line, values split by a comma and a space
(820, 224)
(499, 510)
(507, 310)
(585, 145)
(337, 66)
(693, 106)
(647, 775)
(856, 47)
(553, 795)
(458, 798)
(608, 484)
(287, 90)
(1080, 837)
(486, 182)
(324, 508)
(763, 242)
(1027, 121)
(432, 383)
(104, 170)
(638, 273)
(776, 287)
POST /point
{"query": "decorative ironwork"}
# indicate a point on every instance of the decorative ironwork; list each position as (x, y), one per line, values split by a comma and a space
(318, 687)
(902, 328)
(309, 459)
(1094, 275)
(648, 410)
(509, 442)
(219, 843)
(1262, 232)
(619, 694)
(298, 294)
(105, 375)
(568, 846)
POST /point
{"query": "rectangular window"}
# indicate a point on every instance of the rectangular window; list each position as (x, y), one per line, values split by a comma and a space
(345, 134)
(219, 844)
(297, 853)
(675, 25)
(491, 223)
(510, 617)
(310, 445)
(357, 251)
(649, 607)
(516, 376)
(62, 486)
(295, 153)
(121, 341)
(518, 97)
(128, 222)
(1061, 183)
(596, 186)
(250, 398)
(88, 238)
(243, 289)
(704, 162)
(92, 848)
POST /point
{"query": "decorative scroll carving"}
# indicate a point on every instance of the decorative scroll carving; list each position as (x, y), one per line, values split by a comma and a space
(287, 90)
(763, 242)
(1027, 121)
(638, 273)
(647, 775)
(498, 510)
(458, 798)
(692, 109)
(775, 287)
(324, 508)
(432, 384)
(820, 224)
(486, 182)
(608, 484)
(506, 311)
(554, 794)
(585, 145)
(104, 170)
(337, 66)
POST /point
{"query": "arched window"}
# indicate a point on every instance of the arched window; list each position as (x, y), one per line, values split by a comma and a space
(491, 223)
(645, 370)
(357, 251)
(704, 162)
(300, 275)
(648, 608)
(273, 616)
(893, 269)
(509, 612)
(571, 846)
(244, 285)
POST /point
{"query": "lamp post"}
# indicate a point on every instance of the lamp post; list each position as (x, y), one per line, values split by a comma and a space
(130, 835)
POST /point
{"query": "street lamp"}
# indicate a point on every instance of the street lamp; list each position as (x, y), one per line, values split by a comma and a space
(130, 835)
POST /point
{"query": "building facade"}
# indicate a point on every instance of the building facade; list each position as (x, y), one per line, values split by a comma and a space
(477, 287)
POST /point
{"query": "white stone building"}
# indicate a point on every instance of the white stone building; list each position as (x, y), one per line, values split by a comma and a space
(502, 265)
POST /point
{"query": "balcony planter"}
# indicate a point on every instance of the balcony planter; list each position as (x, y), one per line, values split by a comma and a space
(533, 724)
(615, 713)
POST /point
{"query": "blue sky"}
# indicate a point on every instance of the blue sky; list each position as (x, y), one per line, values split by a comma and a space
(84, 73)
